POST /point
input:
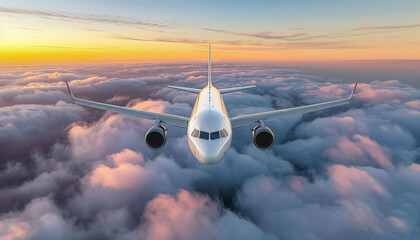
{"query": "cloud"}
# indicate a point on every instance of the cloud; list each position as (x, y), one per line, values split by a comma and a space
(118, 98)
(309, 40)
(349, 200)
(413, 104)
(51, 77)
(350, 180)
(125, 175)
(41, 219)
(175, 40)
(401, 26)
(250, 44)
(82, 174)
(23, 128)
(361, 147)
(79, 17)
(384, 95)
(262, 35)
(192, 216)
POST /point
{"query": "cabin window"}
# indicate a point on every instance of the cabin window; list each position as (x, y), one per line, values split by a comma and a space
(214, 135)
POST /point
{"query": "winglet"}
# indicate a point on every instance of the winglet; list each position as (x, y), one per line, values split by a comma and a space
(352, 93)
(70, 92)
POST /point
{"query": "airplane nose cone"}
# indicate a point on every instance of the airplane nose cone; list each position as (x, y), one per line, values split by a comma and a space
(210, 155)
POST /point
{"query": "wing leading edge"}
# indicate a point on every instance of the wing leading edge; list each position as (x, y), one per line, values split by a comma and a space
(249, 119)
(175, 120)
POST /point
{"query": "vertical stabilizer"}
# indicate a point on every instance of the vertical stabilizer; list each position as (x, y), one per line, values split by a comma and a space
(209, 74)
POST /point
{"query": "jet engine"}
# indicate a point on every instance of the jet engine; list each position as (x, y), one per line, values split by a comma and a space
(262, 137)
(156, 137)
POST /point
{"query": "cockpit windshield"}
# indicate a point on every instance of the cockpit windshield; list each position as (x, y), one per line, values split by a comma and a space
(204, 135)
(213, 135)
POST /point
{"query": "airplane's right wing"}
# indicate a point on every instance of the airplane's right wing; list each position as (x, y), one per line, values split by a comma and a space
(249, 119)
(175, 120)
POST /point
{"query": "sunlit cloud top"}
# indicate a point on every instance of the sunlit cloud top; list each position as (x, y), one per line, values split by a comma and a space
(73, 31)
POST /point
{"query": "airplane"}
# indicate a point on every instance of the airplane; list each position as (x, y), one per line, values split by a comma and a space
(209, 129)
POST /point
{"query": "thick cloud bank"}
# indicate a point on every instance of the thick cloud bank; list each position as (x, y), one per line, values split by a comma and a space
(69, 172)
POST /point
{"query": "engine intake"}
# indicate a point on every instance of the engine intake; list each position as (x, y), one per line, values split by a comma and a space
(156, 137)
(262, 137)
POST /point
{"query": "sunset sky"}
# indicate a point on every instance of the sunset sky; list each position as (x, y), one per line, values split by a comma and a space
(75, 31)
(72, 172)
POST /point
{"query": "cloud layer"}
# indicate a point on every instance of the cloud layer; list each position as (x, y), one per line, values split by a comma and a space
(73, 173)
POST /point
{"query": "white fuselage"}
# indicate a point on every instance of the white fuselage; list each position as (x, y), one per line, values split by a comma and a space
(209, 130)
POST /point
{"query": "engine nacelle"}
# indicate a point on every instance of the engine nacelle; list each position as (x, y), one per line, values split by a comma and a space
(156, 137)
(262, 137)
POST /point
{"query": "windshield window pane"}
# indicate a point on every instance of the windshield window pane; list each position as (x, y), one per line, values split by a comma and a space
(214, 135)
(223, 133)
(204, 135)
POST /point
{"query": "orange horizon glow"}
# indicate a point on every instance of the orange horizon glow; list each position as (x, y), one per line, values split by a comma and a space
(194, 53)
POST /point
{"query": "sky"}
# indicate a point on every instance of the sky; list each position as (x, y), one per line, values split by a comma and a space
(80, 31)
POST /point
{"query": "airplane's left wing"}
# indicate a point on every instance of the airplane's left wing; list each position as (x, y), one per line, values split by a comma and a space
(249, 119)
(175, 120)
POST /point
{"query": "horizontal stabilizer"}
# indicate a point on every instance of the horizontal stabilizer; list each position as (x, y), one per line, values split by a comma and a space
(229, 90)
(185, 89)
